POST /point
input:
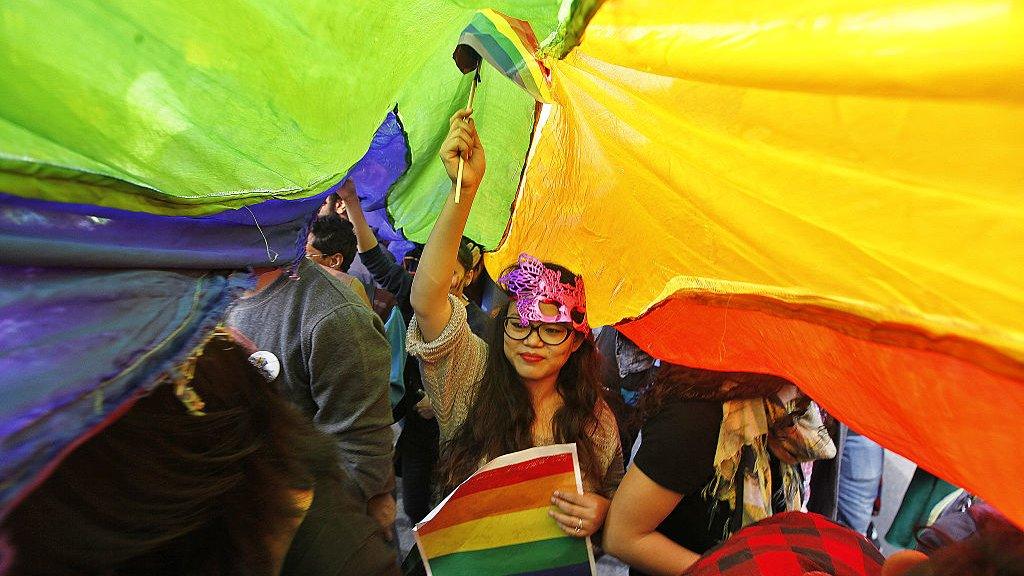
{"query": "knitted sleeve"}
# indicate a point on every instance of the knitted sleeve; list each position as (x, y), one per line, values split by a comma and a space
(452, 366)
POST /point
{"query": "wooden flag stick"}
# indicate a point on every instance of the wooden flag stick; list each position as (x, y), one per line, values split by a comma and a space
(462, 161)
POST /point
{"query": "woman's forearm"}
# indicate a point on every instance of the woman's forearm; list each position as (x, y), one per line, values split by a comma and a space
(365, 238)
(463, 158)
(652, 553)
(433, 278)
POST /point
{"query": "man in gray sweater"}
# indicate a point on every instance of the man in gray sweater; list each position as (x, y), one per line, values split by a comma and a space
(326, 351)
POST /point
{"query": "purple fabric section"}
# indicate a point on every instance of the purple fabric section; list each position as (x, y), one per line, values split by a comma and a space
(75, 345)
(90, 315)
(45, 233)
(52, 234)
(374, 175)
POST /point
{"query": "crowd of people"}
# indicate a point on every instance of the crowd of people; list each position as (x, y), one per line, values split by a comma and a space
(272, 452)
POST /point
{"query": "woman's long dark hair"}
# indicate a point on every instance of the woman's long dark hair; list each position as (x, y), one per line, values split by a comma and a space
(161, 491)
(674, 382)
(501, 417)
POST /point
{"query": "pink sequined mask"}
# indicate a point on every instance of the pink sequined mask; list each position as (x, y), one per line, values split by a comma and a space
(532, 284)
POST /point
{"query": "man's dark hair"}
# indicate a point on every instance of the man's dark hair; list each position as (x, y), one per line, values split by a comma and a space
(465, 257)
(334, 235)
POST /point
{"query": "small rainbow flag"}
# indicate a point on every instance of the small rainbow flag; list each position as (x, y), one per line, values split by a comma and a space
(509, 45)
(497, 523)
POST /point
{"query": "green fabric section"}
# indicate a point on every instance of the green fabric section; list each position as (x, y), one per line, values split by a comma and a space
(487, 27)
(195, 107)
(570, 30)
(504, 117)
(516, 559)
(923, 493)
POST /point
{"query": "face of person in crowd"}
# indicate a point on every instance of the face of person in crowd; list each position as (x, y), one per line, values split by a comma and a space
(539, 351)
(315, 255)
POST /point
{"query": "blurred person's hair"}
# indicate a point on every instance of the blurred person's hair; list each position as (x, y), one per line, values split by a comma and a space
(165, 491)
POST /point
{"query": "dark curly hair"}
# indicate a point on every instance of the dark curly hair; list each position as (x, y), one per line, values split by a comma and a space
(332, 235)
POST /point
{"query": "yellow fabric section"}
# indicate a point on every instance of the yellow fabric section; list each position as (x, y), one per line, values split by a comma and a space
(492, 532)
(865, 156)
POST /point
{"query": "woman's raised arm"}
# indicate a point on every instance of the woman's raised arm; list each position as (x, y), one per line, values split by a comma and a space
(434, 273)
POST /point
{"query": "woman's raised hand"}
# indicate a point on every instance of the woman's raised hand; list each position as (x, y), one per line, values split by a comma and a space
(463, 141)
(579, 515)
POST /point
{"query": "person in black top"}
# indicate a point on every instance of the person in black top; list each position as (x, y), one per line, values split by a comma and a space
(417, 449)
(700, 446)
(627, 371)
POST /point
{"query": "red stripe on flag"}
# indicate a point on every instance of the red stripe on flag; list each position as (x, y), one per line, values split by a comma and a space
(525, 33)
(516, 473)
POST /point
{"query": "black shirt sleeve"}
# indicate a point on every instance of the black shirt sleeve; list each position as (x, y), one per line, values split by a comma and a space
(391, 276)
(679, 444)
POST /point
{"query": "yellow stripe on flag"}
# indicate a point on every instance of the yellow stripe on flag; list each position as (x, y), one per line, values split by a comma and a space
(492, 532)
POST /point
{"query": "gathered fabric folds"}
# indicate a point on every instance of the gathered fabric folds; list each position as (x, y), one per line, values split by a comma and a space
(829, 192)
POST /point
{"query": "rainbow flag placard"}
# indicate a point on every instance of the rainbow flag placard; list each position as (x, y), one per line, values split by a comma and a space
(497, 523)
(509, 45)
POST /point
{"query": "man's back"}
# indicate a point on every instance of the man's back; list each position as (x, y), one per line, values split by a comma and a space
(334, 364)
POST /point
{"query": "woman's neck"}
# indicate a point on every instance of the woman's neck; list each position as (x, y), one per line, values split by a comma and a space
(542, 391)
(546, 401)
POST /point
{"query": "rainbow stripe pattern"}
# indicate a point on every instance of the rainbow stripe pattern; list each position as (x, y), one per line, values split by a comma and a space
(497, 522)
(509, 45)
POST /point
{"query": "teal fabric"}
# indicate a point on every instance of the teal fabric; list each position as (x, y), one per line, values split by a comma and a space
(394, 330)
(923, 494)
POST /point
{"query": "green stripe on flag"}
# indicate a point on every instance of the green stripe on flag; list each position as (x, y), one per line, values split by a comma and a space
(516, 559)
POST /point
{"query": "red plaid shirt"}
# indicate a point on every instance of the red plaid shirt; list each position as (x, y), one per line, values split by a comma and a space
(791, 544)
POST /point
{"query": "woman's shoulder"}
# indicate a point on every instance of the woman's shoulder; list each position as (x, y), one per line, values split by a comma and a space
(455, 336)
(683, 427)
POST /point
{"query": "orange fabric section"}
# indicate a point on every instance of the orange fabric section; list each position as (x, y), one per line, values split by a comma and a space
(513, 498)
(950, 416)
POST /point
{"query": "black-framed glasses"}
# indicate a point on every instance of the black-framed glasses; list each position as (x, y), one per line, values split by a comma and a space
(550, 334)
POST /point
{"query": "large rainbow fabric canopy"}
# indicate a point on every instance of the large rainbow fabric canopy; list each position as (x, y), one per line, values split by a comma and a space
(201, 136)
(827, 191)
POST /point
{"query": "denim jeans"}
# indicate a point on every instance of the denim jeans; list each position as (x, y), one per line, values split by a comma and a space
(859, 474)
